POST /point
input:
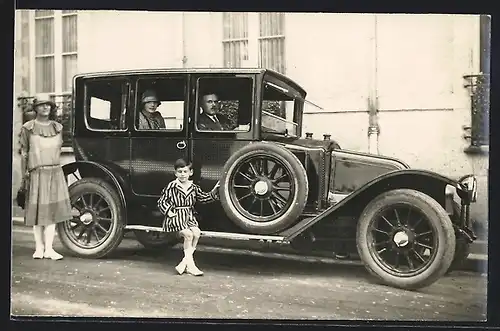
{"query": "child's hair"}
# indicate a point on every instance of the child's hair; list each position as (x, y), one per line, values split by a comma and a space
(181, 163)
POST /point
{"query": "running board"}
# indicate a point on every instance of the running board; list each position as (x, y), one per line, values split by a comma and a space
(221, 235)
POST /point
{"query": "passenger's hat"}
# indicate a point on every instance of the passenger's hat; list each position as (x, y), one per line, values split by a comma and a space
(150, 96)
(43, 99)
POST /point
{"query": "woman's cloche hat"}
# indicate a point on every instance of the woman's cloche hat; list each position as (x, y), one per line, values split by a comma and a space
(150, 96)
(43, 99)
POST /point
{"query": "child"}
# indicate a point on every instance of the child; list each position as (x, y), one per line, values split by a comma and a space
(177, 204)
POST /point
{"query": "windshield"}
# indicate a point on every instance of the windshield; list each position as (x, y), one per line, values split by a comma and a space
(281, 107)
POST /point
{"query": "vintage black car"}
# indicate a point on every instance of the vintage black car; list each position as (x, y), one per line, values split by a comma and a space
(276, 185)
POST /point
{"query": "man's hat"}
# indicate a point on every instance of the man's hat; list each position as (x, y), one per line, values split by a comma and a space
(43, 99)
(149, 96)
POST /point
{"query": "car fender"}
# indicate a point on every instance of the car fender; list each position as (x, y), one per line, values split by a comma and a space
(425, 181)
(99, 170)
(428, 182)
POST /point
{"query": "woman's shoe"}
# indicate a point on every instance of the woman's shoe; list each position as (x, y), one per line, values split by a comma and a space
(53, 255)
(38, 254)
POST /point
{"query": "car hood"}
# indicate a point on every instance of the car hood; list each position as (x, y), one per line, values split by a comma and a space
(328, 145)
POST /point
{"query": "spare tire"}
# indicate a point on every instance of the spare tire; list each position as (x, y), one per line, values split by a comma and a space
(264, 188)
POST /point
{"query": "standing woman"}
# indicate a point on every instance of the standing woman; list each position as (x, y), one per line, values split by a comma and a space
(47, 198)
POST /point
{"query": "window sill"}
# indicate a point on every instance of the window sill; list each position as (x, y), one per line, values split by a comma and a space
(479, 150)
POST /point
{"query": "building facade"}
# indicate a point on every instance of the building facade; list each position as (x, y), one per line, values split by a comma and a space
(388, 84)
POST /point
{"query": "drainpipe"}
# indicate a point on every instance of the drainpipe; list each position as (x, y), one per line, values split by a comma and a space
(373, 127)
(183, 35)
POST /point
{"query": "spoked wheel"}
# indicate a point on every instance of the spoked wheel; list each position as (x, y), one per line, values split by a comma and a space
(97, 226)
(406, 239)
(264, 188)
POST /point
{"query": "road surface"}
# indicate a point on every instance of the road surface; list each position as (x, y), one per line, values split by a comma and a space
(136, 282)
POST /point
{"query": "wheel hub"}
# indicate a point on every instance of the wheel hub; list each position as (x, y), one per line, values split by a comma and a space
(261, 188)
(401, 239)
(86, 218)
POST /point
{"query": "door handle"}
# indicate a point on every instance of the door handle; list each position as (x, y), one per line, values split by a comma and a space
(181, 144)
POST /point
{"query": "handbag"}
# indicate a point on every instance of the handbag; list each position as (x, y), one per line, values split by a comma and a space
(21, 197)
(21, 194)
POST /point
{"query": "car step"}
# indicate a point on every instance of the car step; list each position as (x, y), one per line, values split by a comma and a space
(221, 235)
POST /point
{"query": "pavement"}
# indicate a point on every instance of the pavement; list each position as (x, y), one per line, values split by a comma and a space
(476, 262)
(136, 282)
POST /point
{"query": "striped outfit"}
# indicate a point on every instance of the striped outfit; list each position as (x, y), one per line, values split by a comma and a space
(174, 198)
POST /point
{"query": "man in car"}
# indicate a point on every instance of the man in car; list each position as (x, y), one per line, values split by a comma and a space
(211, 118)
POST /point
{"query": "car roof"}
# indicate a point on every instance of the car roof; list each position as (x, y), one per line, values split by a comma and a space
(140, 71)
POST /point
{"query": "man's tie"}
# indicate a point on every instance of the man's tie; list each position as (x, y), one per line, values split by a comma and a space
(216, 120)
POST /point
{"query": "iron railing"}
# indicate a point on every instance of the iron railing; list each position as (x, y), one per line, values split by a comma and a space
(63, 113)
(479, 89)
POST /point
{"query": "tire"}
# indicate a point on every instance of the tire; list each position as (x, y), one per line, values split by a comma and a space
(462, 251)
(156, 240)
(263, 188)
(108, 231)
(435, 228)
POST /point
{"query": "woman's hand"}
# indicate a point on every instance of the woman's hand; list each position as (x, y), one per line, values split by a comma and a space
(24, 180)
(171, 213)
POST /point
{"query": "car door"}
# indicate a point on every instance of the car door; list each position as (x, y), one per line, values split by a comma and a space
(212, 145)
(154, 150)
(101, 126)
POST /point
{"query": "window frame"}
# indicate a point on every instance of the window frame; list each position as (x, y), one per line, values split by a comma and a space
(51, 55)
(197, 106)
(137, 99)
(253, 41)
(58, 53)
(69, 53)
(86, 102)
(279, 37)
(227, 41)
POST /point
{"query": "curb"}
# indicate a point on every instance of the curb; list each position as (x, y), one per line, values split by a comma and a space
(475, 262)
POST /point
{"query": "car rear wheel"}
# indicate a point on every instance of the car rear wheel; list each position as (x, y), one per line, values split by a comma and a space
(97, 227)
(264, 188)
(156, 239)
(406, 239)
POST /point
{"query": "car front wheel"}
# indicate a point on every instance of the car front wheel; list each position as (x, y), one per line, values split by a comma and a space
(406, 239)
(97, 226)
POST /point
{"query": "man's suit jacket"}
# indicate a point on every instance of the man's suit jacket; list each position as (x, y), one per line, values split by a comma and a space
(206, 123)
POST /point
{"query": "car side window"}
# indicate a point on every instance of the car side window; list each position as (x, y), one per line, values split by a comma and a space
(106, 104)
(224, 104)
(160, 104)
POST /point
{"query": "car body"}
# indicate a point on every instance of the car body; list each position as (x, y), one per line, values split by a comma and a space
(275, 185)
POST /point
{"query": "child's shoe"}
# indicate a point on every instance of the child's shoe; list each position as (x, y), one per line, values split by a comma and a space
(191, 268)
(181, 267)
